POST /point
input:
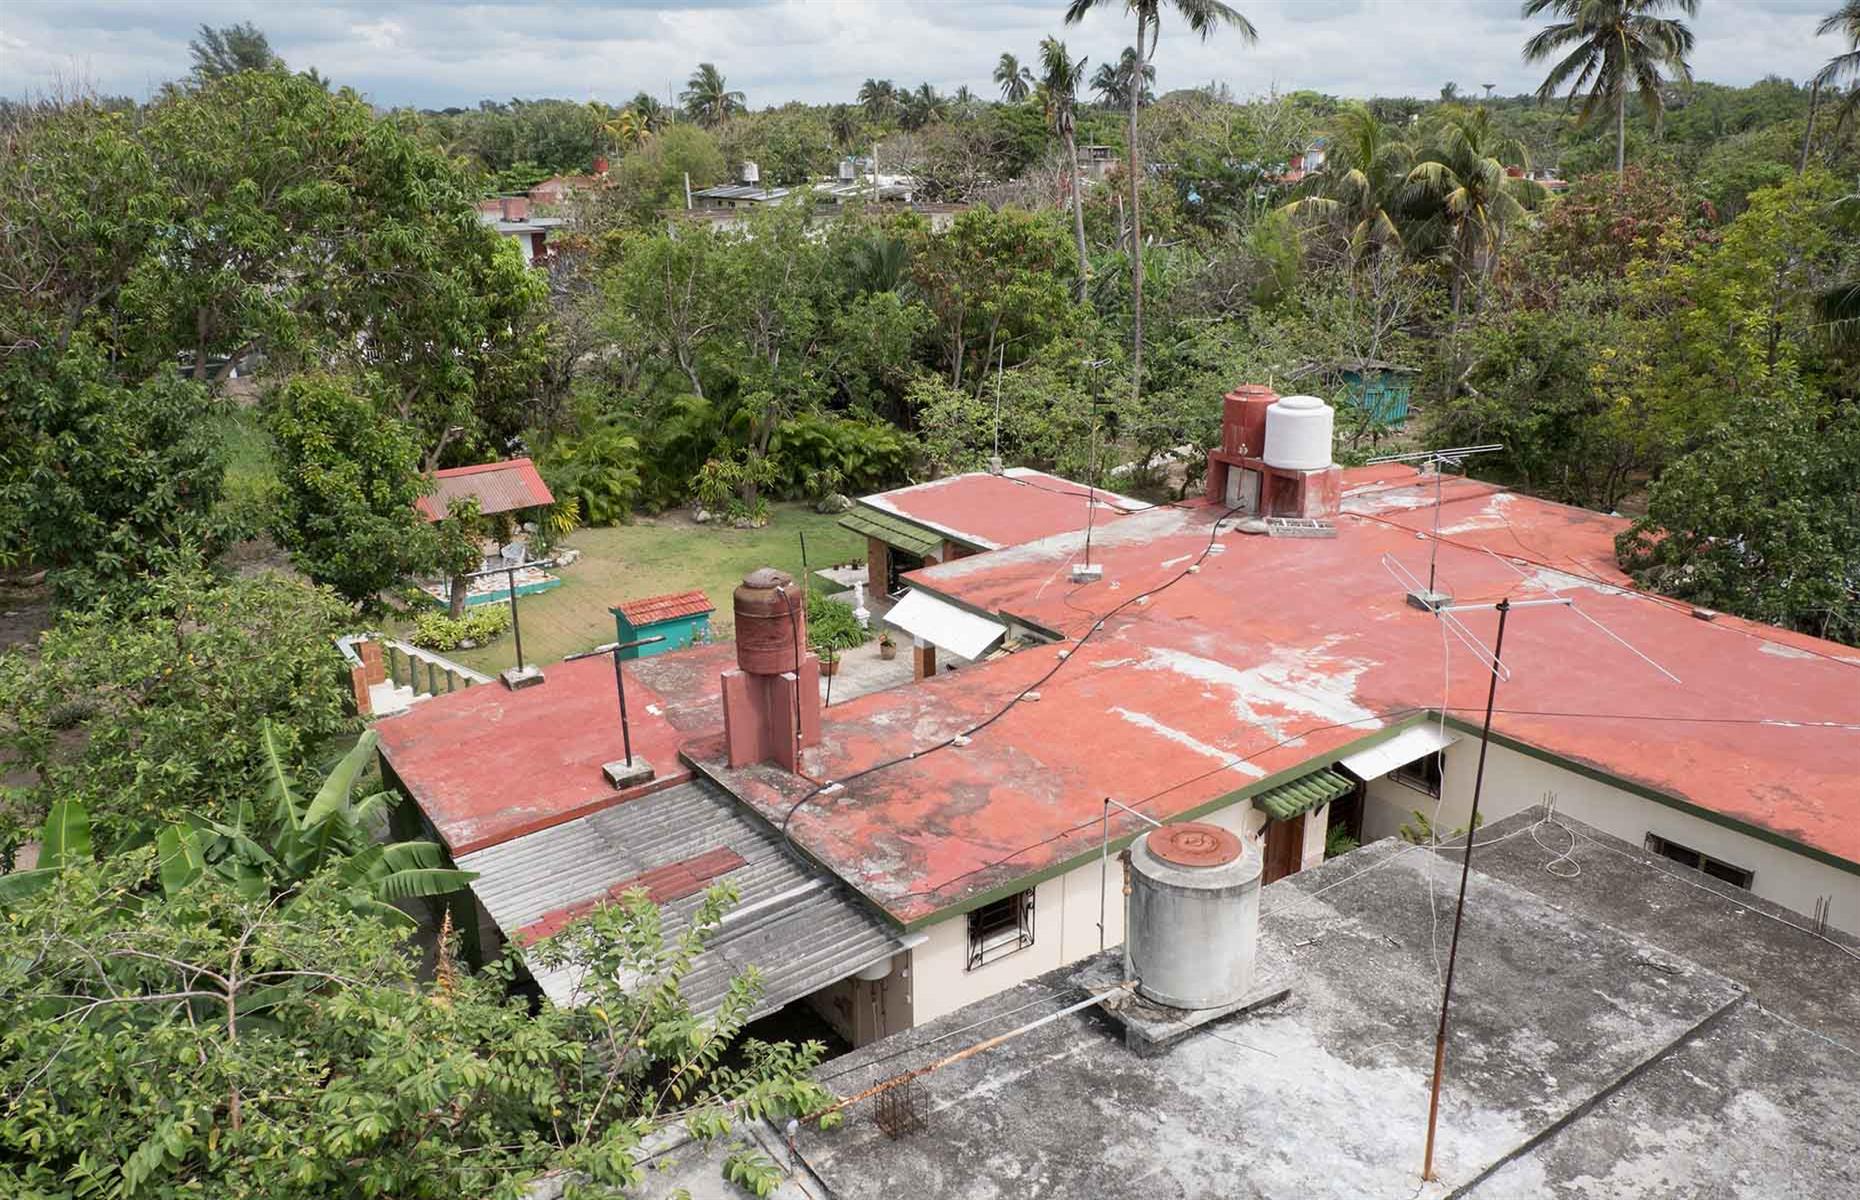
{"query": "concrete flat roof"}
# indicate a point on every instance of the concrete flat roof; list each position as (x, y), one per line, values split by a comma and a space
(1589, 1055)
(990, 511)
(1276, 656)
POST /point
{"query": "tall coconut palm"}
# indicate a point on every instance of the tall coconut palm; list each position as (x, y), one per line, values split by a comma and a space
(923, 106)
(1060, 76)
(708, 98)
(1203, 17)
(1360, 183)
(879, 98)
(1613, 46)
(1463, 175)
(1113, 83)
(626, 129)
(1015, 80)
(1843, 70)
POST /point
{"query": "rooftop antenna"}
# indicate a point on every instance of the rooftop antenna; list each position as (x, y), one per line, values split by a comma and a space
(625, 772)
(994, 461)
(1086, 572)
(519, 676)
(1430, 597)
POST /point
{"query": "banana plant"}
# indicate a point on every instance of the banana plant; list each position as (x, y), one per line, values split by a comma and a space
(330, 830)
(64, 841)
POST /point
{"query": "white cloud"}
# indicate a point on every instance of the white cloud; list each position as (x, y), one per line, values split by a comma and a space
(438, 54)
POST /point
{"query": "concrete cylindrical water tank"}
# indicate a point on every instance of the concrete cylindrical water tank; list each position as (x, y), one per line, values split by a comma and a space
(1193, 917)
(771, 622)
(1298, 434)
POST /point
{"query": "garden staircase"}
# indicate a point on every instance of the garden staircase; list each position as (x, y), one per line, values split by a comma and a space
(388, 675)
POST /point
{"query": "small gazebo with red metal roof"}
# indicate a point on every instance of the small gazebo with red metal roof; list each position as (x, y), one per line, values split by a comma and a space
(507, 486)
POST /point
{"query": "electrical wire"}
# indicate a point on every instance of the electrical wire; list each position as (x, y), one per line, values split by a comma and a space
(1059, 663)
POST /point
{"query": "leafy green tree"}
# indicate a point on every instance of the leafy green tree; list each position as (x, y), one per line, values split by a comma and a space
(708, 99)
(652, 179)
(297, 1054)
(350, 474)
(1203, 17)
(1762, 520)
(1613, 46)
(599, 468)
(459, 550)
(1014, 80)
(146, 707)
(1060, 77)
(97, 478)
(992, 279)
(230, 49)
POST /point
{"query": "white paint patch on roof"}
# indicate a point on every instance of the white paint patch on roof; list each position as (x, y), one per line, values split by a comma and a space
(1490, 516)
(1779, 650)
(1553, 580)
(1382, 498)
(1306, 682)
(1181, 738)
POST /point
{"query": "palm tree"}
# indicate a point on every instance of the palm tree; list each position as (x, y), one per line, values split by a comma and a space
(626, 129)
(1843, 70)
(1112, 83)
(708, 98)
(1367, 169)
(1203, 18)
(1463, 172)
(653, 114)
(1015, 80)
(843, 125)
(922, 106)
(879, 98)
(1613, 45)
(1060, 76)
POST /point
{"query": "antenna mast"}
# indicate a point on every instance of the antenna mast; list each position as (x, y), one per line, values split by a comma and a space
(1431, 597)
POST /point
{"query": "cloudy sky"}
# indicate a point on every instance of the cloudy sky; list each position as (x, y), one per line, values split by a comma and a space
(452, 53)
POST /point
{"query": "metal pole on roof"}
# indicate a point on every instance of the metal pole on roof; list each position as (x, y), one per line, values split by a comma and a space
(1459, 908)
(516, 629)
(614, 648)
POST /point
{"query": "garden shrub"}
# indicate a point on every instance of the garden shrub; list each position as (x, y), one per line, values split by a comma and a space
(441, 631)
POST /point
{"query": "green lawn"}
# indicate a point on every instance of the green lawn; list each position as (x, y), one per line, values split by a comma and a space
(666, 554)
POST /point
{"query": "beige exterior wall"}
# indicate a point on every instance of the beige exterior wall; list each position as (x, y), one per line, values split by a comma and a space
(1515, 781)
(1065, 926)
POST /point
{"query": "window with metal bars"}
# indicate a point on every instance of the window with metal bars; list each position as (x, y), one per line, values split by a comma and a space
(1423, 774)
(999, 929)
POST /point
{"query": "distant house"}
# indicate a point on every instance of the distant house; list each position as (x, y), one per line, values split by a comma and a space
(511, 217)
(1095, 162)
(681, 618)
(1306, 162)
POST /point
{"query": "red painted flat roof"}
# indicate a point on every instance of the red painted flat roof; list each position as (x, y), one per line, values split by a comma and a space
(1279, 653)
(499, 486)
(650, 609)
(488, 764)
(991, 511)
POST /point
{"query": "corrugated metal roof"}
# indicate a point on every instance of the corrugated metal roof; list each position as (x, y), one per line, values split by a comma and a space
(499, 486)
(891, 530)
(1302, 794)
(649, 610)
(793, 922)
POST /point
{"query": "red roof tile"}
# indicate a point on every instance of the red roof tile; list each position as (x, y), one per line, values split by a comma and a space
(649, 610)
(499, 486)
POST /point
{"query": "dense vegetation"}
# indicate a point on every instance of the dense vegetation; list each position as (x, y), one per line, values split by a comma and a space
(202, 987)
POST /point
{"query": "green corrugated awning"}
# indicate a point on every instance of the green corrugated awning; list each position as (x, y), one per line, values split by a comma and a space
(891, 530)
(1303, 794)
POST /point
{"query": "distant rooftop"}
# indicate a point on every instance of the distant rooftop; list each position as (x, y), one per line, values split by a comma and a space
(1623, 1028)
(986, 512)
(648, 610)
(504, 486)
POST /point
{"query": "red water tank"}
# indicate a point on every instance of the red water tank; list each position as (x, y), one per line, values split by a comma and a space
(771, 622)
(1243, 419)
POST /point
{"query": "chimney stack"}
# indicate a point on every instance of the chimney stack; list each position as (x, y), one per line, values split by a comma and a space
(771, 701)
(516, 208)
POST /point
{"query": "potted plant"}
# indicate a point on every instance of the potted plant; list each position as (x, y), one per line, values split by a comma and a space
(887, 648)
(830, 664)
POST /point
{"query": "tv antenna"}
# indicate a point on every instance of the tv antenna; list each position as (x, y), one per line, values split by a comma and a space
(1431, 597)
(1085, 572)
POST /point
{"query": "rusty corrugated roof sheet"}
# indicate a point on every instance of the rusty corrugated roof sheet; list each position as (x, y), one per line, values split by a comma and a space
(499, 486)
(650, 610)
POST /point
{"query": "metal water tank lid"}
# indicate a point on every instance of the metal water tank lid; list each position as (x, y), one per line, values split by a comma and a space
(1298, 434)
(1193, 915)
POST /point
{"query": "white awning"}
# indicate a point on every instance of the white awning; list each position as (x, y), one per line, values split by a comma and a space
(945, 626)
(1405, 747)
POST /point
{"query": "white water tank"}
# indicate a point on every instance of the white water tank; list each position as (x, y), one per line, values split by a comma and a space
(1193, 917)
(1298, 434)
(752, 173)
